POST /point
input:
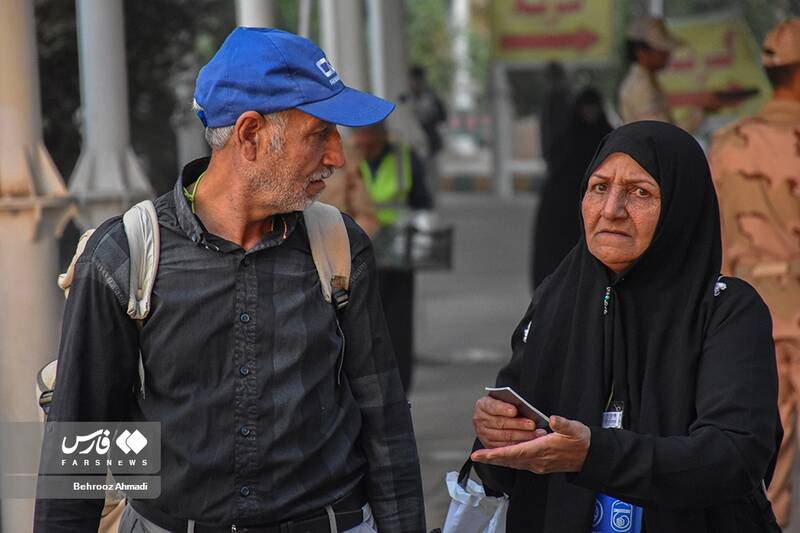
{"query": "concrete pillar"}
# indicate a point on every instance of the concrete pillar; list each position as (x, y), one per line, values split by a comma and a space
(377, 48)
(304, 18)
(342, 35)
(387, 39)
(107, 178)
(255, 13)
(502, 123)
(389, 67)
(33, 210)
(463, 98)
(657, 8)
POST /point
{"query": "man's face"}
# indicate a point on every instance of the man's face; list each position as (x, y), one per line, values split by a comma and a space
(652, 59)
(415, 84)
(291, 177)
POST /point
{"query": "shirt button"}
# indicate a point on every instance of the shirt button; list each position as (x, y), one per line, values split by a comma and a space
(244, 491)
(245, 318)
(244, 430)
(243, 370)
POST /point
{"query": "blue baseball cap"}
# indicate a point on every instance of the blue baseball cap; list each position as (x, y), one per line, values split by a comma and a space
(268, 70)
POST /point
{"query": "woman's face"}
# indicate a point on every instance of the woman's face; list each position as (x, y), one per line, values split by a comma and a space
(620, 211)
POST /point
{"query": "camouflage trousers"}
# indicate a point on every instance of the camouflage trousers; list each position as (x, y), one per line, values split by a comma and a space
(787, 352)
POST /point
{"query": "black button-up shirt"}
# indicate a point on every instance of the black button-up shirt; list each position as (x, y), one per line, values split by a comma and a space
(241, 357)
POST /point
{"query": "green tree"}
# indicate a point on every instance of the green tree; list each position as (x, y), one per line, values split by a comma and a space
(429, 42)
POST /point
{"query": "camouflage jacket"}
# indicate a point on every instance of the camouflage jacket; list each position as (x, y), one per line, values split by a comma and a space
(756, 167)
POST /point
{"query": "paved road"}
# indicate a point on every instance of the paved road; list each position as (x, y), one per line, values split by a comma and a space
(464, 321)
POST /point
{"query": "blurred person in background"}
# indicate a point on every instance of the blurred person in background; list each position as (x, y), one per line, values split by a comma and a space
(557, 225)
(649, 46)
(555, 107)
(394, 177)
(346, 191)
(430, 113)
(756, 167)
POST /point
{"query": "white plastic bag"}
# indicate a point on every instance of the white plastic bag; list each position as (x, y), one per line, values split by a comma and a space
(471, 510)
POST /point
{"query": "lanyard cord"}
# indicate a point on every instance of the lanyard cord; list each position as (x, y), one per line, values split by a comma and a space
(193, 194)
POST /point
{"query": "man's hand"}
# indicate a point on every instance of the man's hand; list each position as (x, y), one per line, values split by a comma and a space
(564, 450)
(497, 425)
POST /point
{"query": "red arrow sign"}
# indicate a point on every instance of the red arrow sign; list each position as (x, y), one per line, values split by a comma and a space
(580, 40)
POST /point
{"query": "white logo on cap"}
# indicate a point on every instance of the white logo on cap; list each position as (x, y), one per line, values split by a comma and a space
(328, 71)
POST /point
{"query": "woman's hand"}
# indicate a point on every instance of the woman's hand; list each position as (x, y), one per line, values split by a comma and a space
(564, 450)
(497, 425)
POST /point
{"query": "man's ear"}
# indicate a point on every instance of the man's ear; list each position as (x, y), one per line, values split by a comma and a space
(247, 131)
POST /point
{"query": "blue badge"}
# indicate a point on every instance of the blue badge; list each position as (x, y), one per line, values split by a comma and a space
(615, 516)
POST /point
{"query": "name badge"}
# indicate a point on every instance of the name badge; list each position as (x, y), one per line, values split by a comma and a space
(610, 514)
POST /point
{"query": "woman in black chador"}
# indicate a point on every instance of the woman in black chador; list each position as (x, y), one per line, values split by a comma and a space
(661, 374)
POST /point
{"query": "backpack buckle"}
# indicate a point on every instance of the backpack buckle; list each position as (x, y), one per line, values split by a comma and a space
(340, 299)
(340, 296)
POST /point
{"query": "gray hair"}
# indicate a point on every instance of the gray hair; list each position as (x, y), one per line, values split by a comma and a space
(217, 138)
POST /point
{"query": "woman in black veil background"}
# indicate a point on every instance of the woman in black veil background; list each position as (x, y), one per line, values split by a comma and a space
(556, 226)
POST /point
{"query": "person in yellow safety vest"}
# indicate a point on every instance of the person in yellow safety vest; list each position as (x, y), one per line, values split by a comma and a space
(393, 174)
(395, 179)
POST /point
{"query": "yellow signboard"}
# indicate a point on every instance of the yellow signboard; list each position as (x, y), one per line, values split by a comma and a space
(720, 55)
(536, 31)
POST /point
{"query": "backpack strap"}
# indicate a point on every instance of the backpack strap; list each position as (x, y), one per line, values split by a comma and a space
(65, 279)
(330, 248)
(141, 228)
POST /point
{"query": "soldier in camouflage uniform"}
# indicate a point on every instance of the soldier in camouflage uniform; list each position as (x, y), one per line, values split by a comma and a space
(756, 167)
(649, 47)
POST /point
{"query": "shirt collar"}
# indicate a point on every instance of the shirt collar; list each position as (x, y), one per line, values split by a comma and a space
(186, 219)
(194, 230)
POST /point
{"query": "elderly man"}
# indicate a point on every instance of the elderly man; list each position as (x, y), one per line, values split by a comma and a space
(268, 423)
(756, 163)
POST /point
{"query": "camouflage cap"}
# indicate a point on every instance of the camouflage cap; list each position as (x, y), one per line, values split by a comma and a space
(653, 32)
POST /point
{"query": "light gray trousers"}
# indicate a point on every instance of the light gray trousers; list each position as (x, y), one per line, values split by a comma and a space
(133, 522)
